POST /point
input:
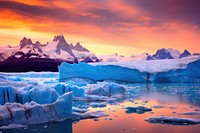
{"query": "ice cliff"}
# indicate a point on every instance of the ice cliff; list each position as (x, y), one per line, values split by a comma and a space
(179, 70)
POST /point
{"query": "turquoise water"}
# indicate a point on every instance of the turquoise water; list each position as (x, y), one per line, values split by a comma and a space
(175, 99)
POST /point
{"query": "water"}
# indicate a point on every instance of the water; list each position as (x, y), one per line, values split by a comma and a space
(175, 99)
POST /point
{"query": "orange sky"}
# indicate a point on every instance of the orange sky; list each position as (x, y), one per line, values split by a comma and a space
(104, 27)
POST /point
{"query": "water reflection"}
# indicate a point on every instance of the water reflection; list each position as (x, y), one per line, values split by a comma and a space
(60, 127)
(175, 99)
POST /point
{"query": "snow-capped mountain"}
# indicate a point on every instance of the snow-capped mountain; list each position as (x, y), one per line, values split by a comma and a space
(185, 54)
(44, 55)
(142, 56)
(165, 54)
(80, 48)
(58, 49)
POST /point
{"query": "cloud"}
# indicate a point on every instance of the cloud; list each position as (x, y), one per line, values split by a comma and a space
(137, 24)
(95, 15)
(37, 12)
(186, 11)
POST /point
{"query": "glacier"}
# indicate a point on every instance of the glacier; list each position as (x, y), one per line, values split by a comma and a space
(176, 70)
(100, 72)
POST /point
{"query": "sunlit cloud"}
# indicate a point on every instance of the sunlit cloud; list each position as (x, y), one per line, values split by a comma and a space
(107, 26)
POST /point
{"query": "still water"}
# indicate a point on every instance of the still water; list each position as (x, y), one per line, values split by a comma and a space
(174, 99)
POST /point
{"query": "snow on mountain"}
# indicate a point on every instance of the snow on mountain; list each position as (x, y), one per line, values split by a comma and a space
(82, 56)
(58, 49)
(80, 48)
(185, 54)
(25, 42)
(140, 57)
(30, 49)
(113, 58)
(164, 54)
(6, 51)
(174, 53)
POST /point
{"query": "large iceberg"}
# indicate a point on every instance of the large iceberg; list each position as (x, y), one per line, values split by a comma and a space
(100, 72)
(34, 113)
(177, 70)
(190, 74)
(23, 102)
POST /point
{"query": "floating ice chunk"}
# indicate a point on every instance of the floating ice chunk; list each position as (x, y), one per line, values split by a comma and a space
(95, 119)
(191, 113)
(79, 81)
(158, 106)
(138, 110)
(91, 98)
(95, 114)
(105, 89)
(172, 120)
(96, 105)
(10, 126)
(78, 110)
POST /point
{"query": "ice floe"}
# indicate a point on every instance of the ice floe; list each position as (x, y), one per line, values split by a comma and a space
(138, 110)
(172, 120)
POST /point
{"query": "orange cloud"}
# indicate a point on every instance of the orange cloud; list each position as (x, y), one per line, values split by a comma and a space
(104, 27)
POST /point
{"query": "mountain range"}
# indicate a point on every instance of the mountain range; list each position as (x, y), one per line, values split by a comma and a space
(164, 53)
(29, 56)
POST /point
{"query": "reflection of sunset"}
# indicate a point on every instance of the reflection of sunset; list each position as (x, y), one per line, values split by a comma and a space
(104, 27)
(134, 121)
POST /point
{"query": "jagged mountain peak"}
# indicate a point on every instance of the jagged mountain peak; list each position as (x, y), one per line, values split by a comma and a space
(80, 48)
(162, 54)
(57, 49)
(24, 42)
(59, 38)
(185, 54)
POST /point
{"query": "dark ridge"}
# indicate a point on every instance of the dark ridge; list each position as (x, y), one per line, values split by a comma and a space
(30, 64)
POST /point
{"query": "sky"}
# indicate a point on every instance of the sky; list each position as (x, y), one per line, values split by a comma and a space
(126, 27)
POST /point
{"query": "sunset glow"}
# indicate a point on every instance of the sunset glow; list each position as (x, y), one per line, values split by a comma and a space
(104, 26)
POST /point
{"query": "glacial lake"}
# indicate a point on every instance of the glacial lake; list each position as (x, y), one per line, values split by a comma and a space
(164, 99)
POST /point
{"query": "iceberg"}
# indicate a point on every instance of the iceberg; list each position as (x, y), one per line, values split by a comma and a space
(176, 70)
(34, 113)
(100, 72)
(62, 88)
(190, 74)
(172, 120)
(138, 110)
(22, 92)
(104, 89)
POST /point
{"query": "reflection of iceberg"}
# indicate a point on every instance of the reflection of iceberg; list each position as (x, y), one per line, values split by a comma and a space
(175, 93)
(60, 127)
(178, 72)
